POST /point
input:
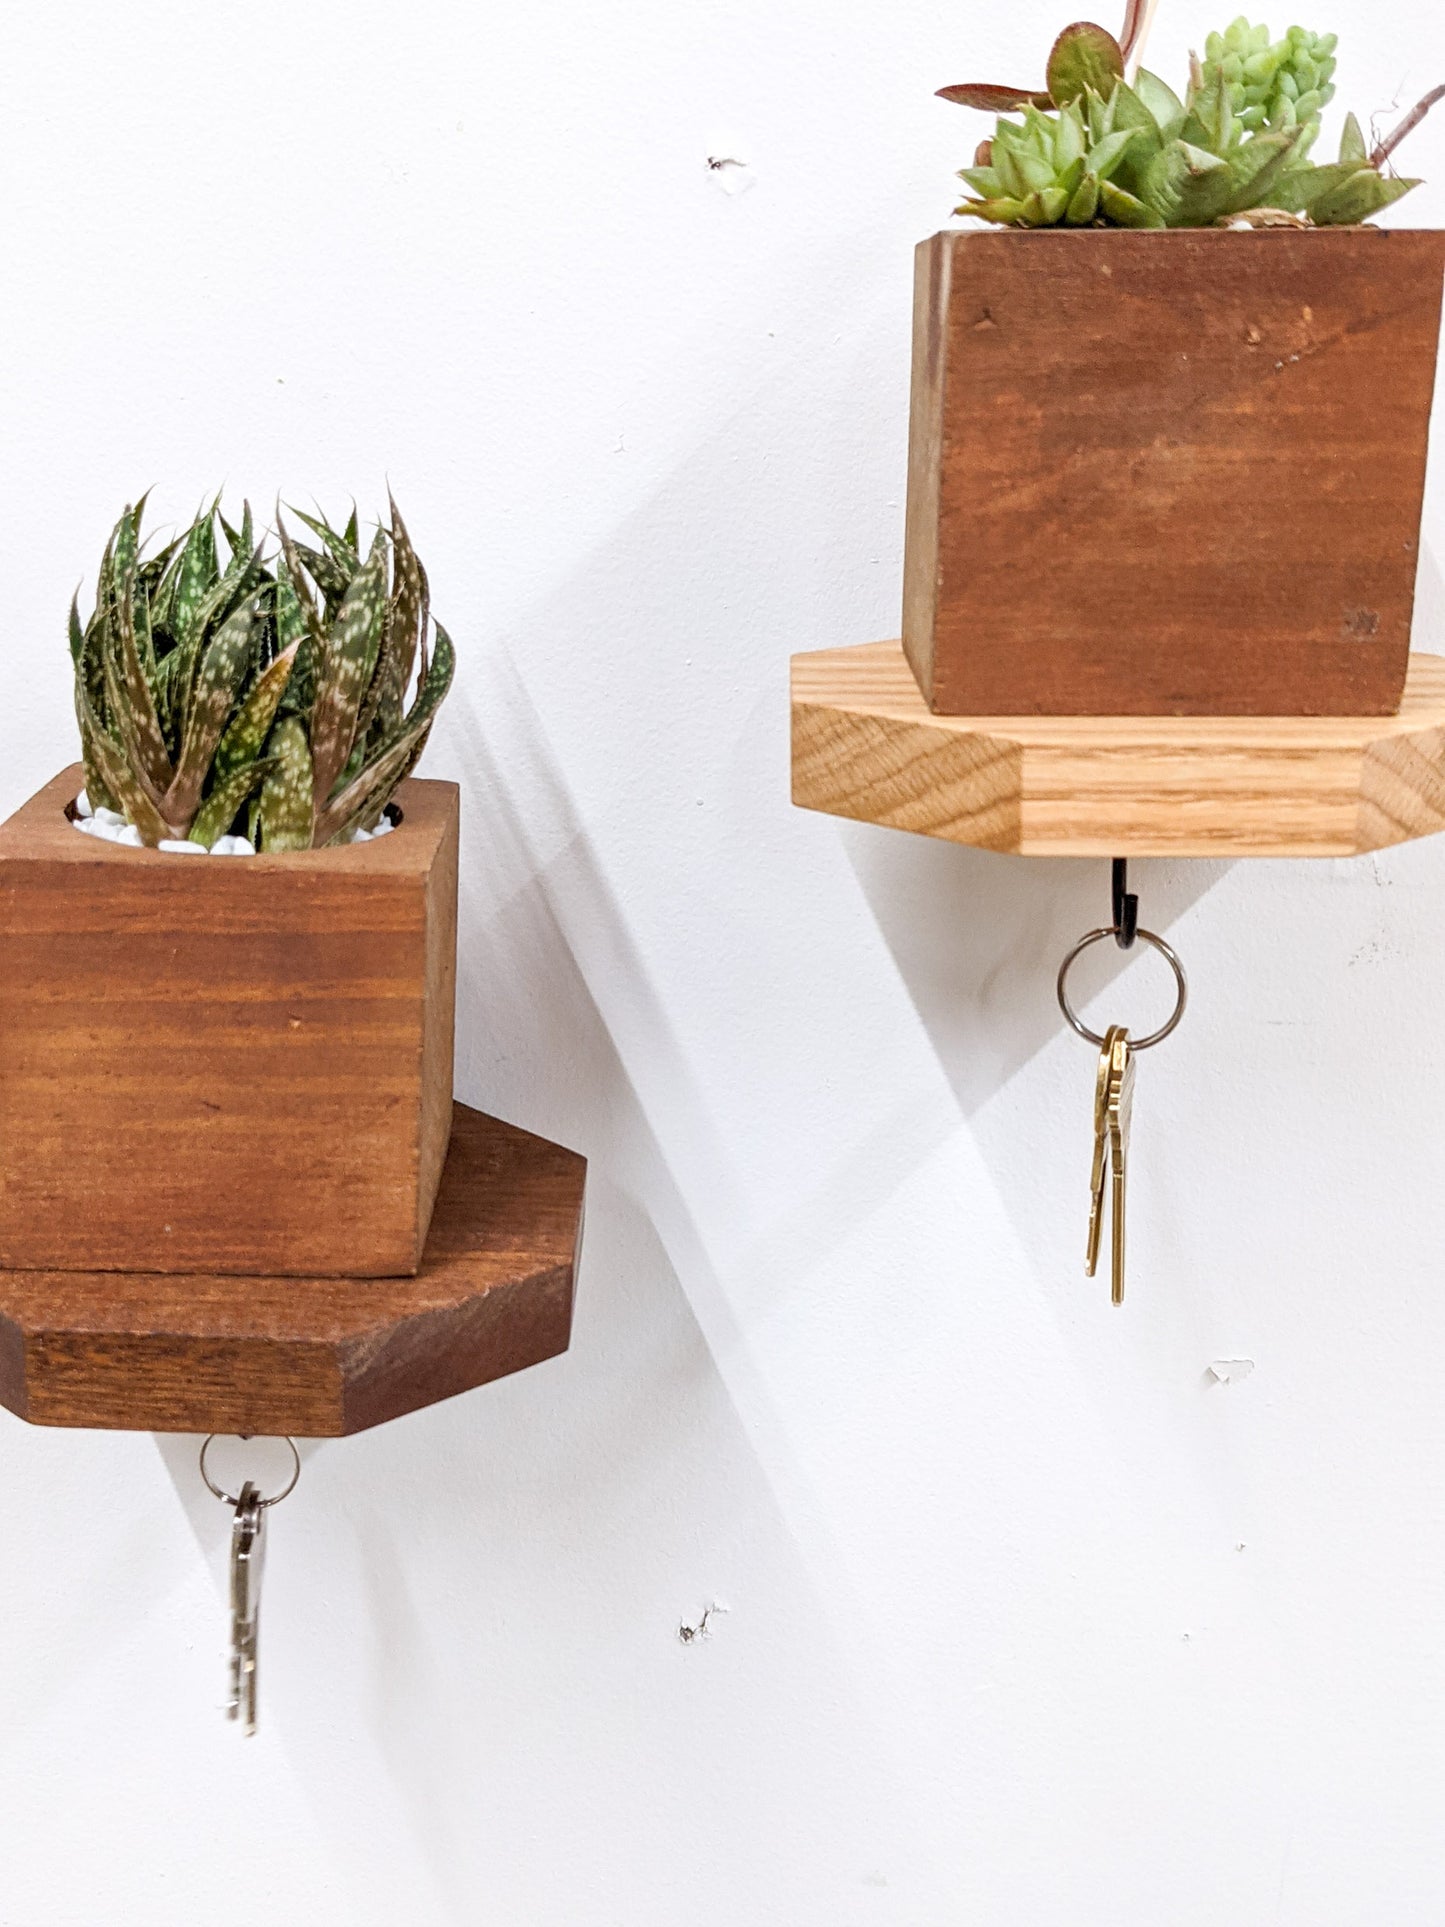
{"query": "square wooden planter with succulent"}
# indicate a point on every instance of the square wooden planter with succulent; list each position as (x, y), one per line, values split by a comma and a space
(1170, 414)
(227, 942)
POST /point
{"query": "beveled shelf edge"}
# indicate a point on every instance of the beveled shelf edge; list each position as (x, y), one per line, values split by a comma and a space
(865, 745)
(314, 1357)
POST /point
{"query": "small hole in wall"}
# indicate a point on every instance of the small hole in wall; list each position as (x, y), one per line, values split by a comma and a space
(689, 1635)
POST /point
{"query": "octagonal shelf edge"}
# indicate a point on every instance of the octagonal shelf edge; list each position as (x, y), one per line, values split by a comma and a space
(314, 1357)
(866, 745)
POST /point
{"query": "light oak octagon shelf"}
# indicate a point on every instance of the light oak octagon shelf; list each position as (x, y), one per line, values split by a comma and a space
(866, 745)
(314, 1357)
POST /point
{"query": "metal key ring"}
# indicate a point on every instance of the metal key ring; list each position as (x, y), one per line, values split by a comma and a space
(1144, 936)
(285, 1493)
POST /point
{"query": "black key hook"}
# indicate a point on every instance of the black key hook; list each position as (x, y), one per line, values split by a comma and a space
(1126, 906)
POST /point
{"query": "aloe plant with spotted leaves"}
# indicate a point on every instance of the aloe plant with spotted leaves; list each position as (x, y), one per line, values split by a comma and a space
(220, 690)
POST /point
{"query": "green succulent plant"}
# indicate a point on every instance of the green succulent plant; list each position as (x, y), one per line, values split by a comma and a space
(1053, 170)
(216, 690)
(1094, 150)
(1280, 84)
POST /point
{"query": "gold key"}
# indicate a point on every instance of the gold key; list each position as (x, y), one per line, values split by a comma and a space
(1101, 1151)
(1121, 1112)
(1113, 1111)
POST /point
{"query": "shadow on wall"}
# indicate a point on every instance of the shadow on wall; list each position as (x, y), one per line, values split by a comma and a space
(978, 939)
(491, 1565)
(646, 695)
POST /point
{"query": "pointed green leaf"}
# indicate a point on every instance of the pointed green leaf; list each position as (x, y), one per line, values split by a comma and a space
(218, 812)
(149, 748)
(1162, 103)
(240, 541)
(1211, 117)
(1287, 187)
(127, 542)
(1128, 114)
(1045, 208)
(163, 595)
(96, 787)
(115, 777)
(90, 669)
(104, 589)
(1034, 168)
(1198, 160)
(141, 621)
(1124, 210)
(222, 670)
(1365, 193)
(77, 634)
(409, 605)
(1085, 204)
(166, 688)
(370, 789)
(197, 574)
(290, 617)
(1352, 143)
(1068, 180)
(1004, 211)
(344, 671)
(123, 731)
(242, 577)
(341, 550)
(155, 566)
(1103, 158)
(295, 575)
(1069, 138)
(249, 727)
(326, 572)
(286, 814)
(1007, 168)
(1258, 168)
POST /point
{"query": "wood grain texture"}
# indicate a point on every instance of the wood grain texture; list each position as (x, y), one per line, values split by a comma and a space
(438, 1028)
(1168, 473)
(314, 1357)
(236, 1064)
(865, 745)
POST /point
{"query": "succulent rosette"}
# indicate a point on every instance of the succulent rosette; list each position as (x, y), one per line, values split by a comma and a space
(218, 692)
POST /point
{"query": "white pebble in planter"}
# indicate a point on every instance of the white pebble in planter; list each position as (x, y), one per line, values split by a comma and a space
(111, 827)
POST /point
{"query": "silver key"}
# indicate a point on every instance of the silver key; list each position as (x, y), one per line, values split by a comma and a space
(248, 1552)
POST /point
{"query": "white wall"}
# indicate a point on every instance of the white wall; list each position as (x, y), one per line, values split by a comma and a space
(1030, 1622)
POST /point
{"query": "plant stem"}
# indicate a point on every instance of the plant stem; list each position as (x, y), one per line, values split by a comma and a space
(1138, 19)
(1385, 148)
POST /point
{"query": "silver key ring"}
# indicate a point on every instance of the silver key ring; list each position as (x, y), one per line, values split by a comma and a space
(1144, 936)
(230, 1498)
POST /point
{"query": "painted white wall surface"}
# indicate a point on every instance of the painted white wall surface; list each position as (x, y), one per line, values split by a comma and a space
(1030, 1620)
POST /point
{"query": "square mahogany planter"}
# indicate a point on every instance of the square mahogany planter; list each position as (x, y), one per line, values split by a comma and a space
(1168, 473)
(224, 1064)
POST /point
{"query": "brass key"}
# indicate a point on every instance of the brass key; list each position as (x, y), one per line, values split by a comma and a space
(1121, 1112)
(1100, 1163)
(1113, 1111)
(1114, 1084)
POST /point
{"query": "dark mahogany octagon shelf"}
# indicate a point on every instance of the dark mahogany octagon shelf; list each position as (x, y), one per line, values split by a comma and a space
(314, 1357)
